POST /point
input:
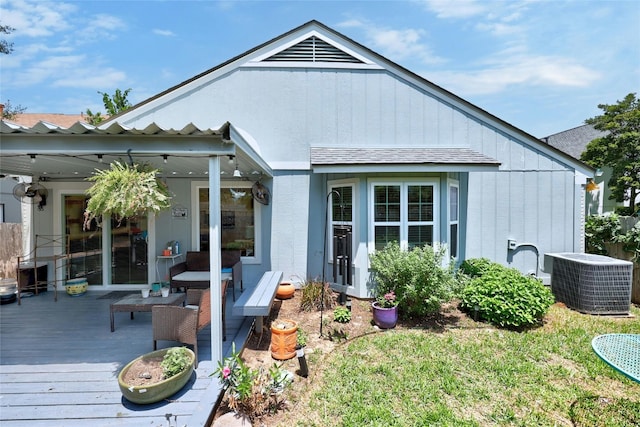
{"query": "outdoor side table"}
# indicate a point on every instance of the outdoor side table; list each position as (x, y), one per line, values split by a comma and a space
(621, 352)
(135, 302)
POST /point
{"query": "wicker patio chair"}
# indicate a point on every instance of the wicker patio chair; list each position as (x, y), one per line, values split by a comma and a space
(182, 324)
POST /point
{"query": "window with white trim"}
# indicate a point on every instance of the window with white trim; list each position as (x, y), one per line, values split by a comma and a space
(454, 212)
(405, 212)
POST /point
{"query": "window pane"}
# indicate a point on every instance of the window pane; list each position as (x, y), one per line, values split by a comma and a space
(387, 203)
(386, 234)
(129, 250)
(85, 246)
(237, 220)
(453, 203)
(420, 235)
(420, 199)
(453, 244)
(342, 207)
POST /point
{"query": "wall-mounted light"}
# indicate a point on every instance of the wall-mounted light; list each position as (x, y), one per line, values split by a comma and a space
(99, 158)
(33, 158)
(599, 172)
(164, 158)
(230, 159)
(591, 185)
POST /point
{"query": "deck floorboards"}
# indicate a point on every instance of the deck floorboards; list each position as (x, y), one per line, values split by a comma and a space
(59, 364)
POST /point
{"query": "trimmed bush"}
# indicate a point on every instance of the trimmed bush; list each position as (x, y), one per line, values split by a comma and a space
(475, 267)
(417, 277)
(506, 298)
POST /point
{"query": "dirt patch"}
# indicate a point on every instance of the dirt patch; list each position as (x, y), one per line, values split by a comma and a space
(144, 372)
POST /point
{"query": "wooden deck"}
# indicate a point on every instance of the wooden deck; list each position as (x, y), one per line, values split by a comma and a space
(59, 365)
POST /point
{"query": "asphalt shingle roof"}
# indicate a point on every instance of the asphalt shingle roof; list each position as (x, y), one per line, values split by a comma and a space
(353, 156)
(574, 141)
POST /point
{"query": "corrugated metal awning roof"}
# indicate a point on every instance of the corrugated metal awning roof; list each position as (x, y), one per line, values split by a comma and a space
(325, 159)
(55, 152)
(115, 128)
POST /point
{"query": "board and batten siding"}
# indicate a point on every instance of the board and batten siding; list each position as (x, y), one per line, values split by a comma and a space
(289, 110)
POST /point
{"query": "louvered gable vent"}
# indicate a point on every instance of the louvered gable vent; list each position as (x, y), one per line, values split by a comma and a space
(313, 49)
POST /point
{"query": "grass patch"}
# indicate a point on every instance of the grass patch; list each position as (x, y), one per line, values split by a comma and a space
(546, 376)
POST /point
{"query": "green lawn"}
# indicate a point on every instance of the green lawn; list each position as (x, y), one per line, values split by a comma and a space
(474, 376)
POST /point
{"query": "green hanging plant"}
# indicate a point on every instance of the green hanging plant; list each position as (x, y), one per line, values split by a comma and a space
(125, 191)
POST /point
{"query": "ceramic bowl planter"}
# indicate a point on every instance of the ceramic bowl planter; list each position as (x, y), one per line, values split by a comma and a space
(155, 392)
(284, 337)
(285, 290)
(76, 287)
(384, 318)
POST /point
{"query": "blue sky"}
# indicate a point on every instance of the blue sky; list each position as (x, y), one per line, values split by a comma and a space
(542, 66)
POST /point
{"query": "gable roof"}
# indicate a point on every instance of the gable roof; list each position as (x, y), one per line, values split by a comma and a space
(314, 45)
(574, 141)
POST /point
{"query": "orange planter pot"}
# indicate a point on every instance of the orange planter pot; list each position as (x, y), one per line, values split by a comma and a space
(285, 290)
(284, 336)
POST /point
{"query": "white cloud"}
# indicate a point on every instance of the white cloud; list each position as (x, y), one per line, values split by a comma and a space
(455, 8)
(74, 71)
(396, 44)
(101, 27)
(166, 33)
(35, 19)
(517, 71)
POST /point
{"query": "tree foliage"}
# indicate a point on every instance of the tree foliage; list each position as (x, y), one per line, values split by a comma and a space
(5, 46)
(9, 112)
(112, 104)
(619, 149)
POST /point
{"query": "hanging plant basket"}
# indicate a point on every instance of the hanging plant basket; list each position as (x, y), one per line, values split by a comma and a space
(125, 191)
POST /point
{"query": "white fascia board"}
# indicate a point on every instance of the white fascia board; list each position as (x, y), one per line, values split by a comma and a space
(301, 165)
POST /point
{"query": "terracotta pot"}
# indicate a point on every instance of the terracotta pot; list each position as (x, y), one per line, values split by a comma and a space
(158, 391)
(284, 336)
(285, 290)
(385, 318)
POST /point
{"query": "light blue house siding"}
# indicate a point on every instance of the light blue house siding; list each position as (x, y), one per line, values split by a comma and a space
(533, 197)
(314, 110)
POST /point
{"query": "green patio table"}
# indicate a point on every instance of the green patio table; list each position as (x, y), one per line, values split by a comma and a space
(621, 352)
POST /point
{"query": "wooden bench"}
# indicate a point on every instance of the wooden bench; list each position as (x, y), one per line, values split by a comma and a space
(257, 302)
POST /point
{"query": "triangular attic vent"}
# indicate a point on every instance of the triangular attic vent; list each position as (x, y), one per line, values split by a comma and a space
(313, 49)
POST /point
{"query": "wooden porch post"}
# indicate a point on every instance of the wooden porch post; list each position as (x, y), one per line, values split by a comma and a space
(215, 259)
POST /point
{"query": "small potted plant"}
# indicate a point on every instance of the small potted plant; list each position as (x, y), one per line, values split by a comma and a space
(385, 310)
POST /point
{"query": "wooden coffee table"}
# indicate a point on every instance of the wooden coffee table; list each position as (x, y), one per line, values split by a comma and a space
(135, 302)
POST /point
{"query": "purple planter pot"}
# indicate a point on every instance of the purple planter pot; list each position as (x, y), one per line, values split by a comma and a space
(385, 318)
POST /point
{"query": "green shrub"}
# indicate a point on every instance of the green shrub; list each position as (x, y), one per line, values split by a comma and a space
(312, 296)
(417, 277)
(341, 314)
(475, 267)
(600, 229)
(175, 360)
(505, 297)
